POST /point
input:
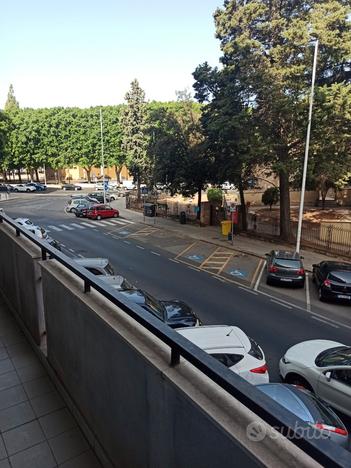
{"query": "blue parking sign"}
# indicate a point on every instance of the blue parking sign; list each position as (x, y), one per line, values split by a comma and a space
(106, 185)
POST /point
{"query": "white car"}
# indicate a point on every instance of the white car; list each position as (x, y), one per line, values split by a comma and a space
(23, 188)
(322, 366)
(34, 229)
(98, 266)
(233, 348)
(117, 282)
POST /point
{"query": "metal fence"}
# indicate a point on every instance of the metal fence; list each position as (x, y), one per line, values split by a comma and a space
(325, 237)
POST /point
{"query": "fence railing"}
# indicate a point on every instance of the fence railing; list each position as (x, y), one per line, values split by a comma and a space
(323, 451)
(329, 238)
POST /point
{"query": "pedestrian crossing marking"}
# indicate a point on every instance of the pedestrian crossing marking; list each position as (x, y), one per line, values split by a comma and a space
(91, 225)
(77, 225)
(66, 227)
(55, 228)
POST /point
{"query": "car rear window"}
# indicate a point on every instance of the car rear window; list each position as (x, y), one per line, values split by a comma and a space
(340, 276)
(286, 263)
(338, 356)
(228, 360)
(319, 411)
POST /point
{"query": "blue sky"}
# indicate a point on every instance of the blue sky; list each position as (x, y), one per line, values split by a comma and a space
(84, 53)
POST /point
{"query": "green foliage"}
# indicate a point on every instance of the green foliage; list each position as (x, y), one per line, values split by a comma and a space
(135, 137)
(270, 196)
(215, 195)
(11, 102)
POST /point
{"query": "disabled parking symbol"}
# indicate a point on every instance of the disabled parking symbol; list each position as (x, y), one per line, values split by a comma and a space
(238, 273)
(195, 258)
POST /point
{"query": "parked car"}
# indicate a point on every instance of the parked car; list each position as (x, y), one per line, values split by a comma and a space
(24, 222)
(322, 366)
(38, 187)
(102, 211)
(308, 407)
(71, 187)
(23, 188)
(73, 203)
(174, 313)
(117, 282)
(98, 266)
(99, 196)
(285, 267)
(33, 228)
(232, 347)
(333, 280)
(82, 209)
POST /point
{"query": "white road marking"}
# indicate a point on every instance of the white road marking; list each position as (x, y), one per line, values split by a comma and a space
(140, 247)
(155, 253)
(117, 221)
(281, 304)
(55, 228)
(324, 321)
(308, 297)
(71, 250)
(248, 290)
(81, 256)
(192, 268)
(218, 278)
(260, 276)
(127, 221)
(77, 225)
(66, 227)
(172, 260)
(126, 242)
(91, 225)
(63, 245)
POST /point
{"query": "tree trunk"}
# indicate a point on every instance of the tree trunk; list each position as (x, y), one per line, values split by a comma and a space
(118, 170)
(5, 176)
(19, 175)
(285, 227)
(88, 171)
(138, 188)
(242, 206)
(37, 174)
(324, 195)
(198, 214)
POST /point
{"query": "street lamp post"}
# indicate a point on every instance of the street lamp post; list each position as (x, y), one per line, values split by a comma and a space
(102, 158)
(303, 186)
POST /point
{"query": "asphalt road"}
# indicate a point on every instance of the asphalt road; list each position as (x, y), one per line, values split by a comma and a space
(274, 326)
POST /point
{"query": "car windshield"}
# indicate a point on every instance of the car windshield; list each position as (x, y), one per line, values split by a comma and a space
(338, 356)
(286, 263)
(154, 306)
(126, 285)
(340, 276)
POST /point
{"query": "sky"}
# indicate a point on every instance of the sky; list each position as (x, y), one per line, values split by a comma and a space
(84, 53)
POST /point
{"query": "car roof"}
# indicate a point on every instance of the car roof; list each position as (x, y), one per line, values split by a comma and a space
(215, 337)
(286, 254)
(116, 280)
(23, 220)
(337, 265)
(91, 262)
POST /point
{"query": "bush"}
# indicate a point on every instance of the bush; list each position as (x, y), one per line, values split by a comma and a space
(270, 196)
(215, 195)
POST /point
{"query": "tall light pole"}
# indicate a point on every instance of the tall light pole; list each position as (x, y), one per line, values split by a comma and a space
(303, 186)
(102, 158)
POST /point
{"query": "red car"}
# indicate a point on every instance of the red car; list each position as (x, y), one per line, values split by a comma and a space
(102, 211)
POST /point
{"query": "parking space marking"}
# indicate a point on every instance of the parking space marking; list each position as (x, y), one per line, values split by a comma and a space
(248, 290)
(324, 321)
(126, 242)
(140, 247)
(146, 231)
(186, 250)
(217, 261)
(173, 260)
(260, 275)
(281, 303)
(308, 297)
(155, 253)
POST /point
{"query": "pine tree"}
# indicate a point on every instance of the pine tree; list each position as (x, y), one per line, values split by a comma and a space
(135, 139)
(11, 102)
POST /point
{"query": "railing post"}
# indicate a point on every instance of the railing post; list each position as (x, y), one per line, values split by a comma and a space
(86, 286)
(175, 357)
(43, 254)
(17, 233)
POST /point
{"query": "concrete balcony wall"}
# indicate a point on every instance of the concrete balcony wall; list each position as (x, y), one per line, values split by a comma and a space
(20, 280)
(142, 411)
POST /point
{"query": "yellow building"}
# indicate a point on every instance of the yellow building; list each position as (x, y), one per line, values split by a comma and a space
(77, 173)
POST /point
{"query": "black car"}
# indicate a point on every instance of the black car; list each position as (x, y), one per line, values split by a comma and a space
(100, 196)
(71, 187)
(174, 313)
(285, 267)
(333, 280)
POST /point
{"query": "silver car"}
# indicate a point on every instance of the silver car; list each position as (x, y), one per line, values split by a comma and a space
(311, 409)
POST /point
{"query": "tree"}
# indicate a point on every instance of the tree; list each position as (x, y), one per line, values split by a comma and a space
(215, 195)
(270, 196)
(11, 102)
(114, 156)
(135, 137)
(267, 45)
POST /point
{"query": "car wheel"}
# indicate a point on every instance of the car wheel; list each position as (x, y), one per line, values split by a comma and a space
(15, 190)
(295, 379)
(73, 210)
(98, 217)
(115, 215)
(320, 295)
(27, 190)
(112, 199)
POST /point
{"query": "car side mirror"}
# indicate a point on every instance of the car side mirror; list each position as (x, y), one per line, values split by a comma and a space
(328, 375)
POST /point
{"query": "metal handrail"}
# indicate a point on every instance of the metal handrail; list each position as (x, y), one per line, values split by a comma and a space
(323, 451)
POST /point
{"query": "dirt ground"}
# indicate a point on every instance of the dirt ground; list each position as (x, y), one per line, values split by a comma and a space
(313, 215)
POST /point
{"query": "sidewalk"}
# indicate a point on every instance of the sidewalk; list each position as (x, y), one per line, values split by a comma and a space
(212, 234)
(37, 429)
